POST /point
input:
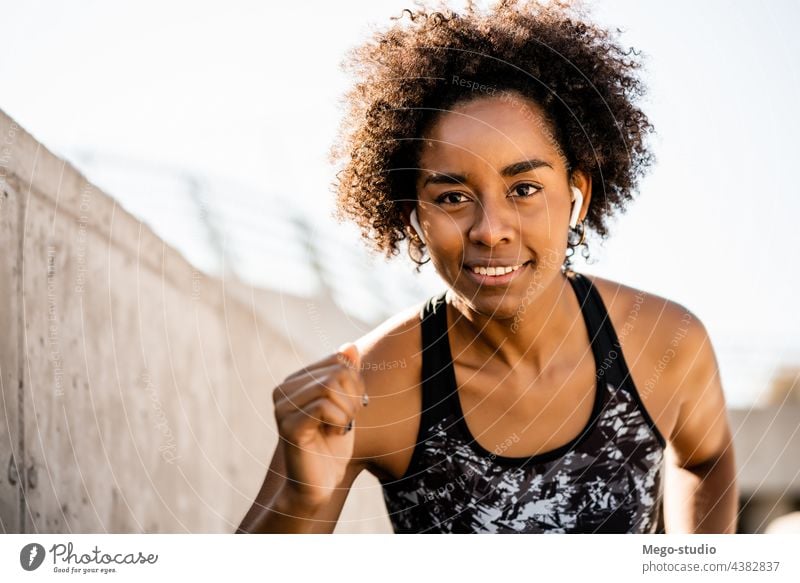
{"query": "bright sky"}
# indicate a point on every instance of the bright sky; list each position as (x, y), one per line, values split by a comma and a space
(250, 91)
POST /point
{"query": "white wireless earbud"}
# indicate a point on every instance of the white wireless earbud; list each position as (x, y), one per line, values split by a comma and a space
(416, 225)
(577, 203)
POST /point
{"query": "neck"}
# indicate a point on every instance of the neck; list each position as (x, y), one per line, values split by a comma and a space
(532, 337)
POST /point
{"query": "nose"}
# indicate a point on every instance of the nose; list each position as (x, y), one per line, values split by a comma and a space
(495, 222)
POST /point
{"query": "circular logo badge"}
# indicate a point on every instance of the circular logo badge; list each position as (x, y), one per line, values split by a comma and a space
(31, 556)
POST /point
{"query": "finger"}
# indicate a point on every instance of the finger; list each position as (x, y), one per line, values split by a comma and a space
(317, 413)
(350, 379)
(331, 387)
(298, 381)
(328, 360)
(290, 388)
(349, 352)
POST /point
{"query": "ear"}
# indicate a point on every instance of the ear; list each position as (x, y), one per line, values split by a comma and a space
(582, 180)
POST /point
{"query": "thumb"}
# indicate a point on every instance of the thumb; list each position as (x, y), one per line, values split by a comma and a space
(350, 352)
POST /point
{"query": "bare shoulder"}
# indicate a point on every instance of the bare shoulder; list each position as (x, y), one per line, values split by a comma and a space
(671, 359)
(389, 352)
(645, 320)
(391, 360)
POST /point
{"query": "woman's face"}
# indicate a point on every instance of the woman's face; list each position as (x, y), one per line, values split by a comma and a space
(493, 190)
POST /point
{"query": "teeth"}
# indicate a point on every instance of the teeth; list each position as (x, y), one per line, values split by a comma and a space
(495, 270)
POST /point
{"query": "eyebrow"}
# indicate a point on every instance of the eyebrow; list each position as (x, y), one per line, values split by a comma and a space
(524, 166)
(510, 170)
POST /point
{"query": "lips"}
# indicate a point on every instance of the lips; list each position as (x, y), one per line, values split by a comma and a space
(496, 280)
(493, 263)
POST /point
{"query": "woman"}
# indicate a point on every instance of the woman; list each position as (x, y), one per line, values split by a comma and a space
(534, 398)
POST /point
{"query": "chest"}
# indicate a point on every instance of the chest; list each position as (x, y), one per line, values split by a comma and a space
(518, 413)
(521, 413)
(524, 413)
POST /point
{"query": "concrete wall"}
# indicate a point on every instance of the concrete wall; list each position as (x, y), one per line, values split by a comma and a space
(10, 336)
(136, 391)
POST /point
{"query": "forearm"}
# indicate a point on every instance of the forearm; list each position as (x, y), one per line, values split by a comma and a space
(280, 514)
(702, 498)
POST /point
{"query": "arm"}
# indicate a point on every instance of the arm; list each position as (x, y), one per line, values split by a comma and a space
(701, 495)
(313, 466)
(277, 510)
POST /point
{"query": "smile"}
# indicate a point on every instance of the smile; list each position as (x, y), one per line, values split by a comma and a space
(479, 269)
(498, 275)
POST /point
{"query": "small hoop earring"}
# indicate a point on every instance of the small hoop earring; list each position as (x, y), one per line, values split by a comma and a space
(576, 235)
(422, 249)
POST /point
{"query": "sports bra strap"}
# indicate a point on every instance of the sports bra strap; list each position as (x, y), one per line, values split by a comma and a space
(611, 364)
(438, 375)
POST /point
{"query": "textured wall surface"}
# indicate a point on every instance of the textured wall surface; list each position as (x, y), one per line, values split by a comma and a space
(136, 391)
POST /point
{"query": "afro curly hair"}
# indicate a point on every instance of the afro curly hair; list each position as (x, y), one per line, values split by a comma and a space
(584, 81)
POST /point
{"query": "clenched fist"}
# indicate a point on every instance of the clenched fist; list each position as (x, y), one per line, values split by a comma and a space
(315, 409)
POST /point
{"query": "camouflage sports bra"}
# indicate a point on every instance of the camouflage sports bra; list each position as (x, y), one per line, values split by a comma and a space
(608, 479)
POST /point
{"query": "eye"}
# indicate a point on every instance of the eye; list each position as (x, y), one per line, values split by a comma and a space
(446, 198)
(526, 189)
